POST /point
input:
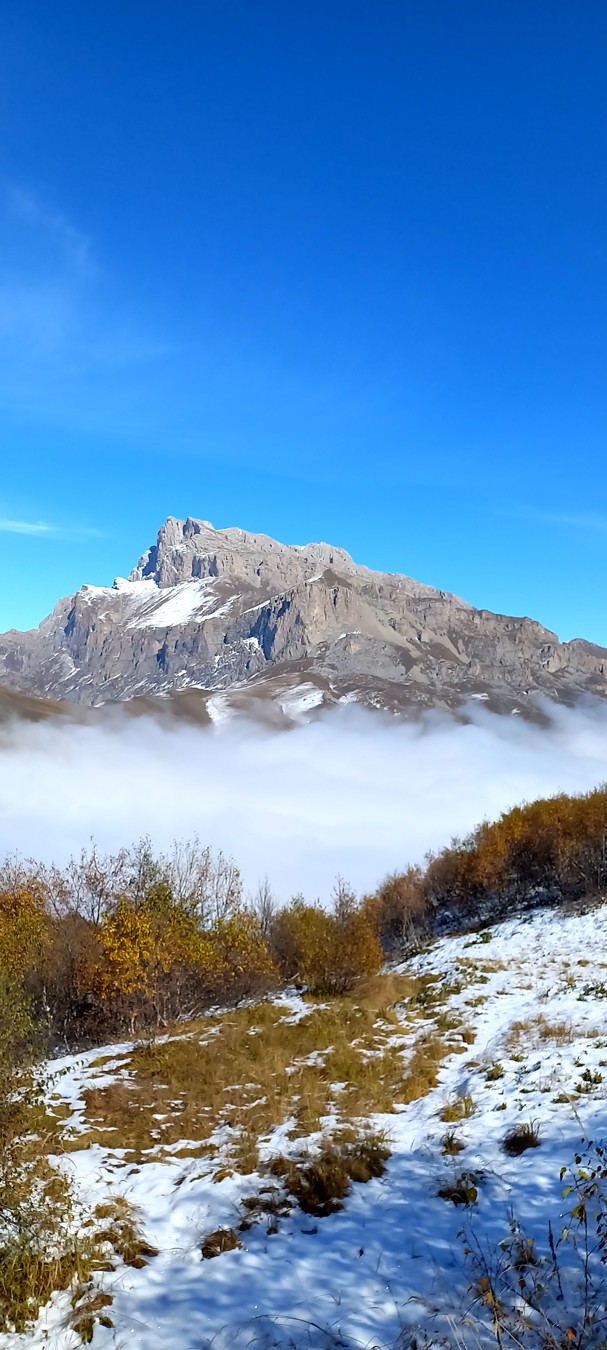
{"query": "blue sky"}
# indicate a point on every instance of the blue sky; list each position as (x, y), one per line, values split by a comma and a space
(325, 269)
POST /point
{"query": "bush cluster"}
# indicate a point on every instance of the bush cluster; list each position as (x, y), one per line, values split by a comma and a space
(130, 942)
(136, 940)
(547, 851)
(133, 942)
(551, 851)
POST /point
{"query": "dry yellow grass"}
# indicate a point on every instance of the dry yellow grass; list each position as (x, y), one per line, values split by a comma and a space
(28, 1277)
(473, 968)
(320, 1184)
(255, 1068)
(461, 1108)
(380, 993)
(535, 1032)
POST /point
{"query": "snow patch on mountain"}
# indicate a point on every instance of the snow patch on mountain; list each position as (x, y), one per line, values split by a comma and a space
(157, 607)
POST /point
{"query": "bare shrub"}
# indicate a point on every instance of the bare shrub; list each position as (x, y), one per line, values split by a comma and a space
(400, 911)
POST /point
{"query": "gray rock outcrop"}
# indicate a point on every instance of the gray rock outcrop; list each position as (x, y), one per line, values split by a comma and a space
(228, 610)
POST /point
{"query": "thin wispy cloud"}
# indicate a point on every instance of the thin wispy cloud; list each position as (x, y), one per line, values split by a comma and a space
(42, 529)
(62, 316)
(45, 274)
(577, 520)
(70, 242)
(35, 527)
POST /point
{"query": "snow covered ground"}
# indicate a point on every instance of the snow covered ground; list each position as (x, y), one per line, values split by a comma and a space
(531, 995)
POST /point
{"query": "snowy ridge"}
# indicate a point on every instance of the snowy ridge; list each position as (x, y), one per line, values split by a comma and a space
(149, 606)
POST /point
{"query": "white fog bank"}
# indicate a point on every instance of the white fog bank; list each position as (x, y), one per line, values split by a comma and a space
(353, 793)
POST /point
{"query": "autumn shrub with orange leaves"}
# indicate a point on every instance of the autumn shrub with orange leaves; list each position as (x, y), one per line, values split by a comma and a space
(399, 911)
(133, 940)
(157, 964)
(327, 950)
(546, 851)
(24, 945)
(34, 1197)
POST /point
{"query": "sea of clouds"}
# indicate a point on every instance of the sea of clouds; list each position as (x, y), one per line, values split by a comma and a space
(353, 793)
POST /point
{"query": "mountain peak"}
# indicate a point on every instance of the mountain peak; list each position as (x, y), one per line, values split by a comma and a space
(231, 610)
(190, 549)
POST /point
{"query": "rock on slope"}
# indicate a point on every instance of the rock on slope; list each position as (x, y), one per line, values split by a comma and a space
(234, 611)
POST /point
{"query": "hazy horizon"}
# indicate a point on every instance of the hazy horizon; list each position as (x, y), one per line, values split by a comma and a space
(354, 793)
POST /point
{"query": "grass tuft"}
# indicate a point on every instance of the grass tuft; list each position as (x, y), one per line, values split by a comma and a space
(123, 1234)
(321, 1184)
(451, 1144)
(521, 1137)
(461, 1108)
(221, 1240)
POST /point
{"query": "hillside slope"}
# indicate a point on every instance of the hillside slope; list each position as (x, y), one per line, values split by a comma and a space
(512, 1021)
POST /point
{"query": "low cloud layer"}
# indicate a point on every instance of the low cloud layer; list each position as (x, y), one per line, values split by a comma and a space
(354, 793)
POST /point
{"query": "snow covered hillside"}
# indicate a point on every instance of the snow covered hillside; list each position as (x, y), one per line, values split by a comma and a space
(441, 1059)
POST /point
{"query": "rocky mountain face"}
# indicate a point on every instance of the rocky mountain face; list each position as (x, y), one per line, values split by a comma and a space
(250, 622)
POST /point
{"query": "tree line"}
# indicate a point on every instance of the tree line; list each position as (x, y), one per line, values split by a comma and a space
(132, 941)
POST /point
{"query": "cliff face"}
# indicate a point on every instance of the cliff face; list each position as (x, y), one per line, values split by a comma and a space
(215, 609)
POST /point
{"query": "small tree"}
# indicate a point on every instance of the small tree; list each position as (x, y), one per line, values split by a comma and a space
(329, 952)
(399, 910)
